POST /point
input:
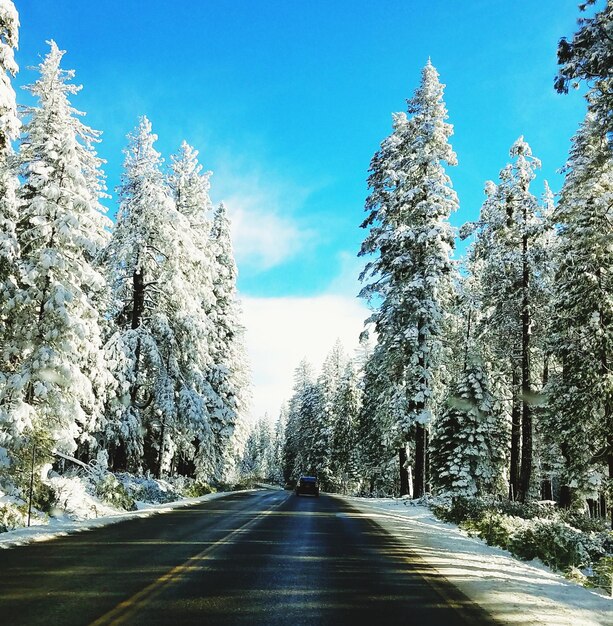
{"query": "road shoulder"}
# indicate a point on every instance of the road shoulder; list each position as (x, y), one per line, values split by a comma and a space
(513, 592)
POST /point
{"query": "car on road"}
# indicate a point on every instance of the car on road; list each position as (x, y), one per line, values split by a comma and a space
(307, 485)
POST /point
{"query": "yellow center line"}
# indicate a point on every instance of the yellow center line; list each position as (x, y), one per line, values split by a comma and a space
(126, 609)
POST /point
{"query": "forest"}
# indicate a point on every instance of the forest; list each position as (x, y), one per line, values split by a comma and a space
(121, 345)
(489, 376)
(484, 382)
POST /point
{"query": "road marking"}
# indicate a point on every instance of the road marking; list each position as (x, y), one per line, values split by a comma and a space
(126, 609)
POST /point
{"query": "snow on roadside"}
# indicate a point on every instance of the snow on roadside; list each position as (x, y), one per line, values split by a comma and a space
(61, 526)
(514, 592)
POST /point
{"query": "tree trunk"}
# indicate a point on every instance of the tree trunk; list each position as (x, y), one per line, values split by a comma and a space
(421, 445)
(526, 409)
(566, 496)
(138, 298)
(404, 474)
(515, 436)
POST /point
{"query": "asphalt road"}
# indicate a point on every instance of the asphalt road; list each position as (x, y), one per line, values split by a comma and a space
(267, 557)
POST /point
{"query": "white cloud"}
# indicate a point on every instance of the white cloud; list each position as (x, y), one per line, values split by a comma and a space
(262, 208)
(262, 239)
(282, 331)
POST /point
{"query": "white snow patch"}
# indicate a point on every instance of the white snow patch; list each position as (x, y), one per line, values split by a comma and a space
(61, 526)
(512, 591)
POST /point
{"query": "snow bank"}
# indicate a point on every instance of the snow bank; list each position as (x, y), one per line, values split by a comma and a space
(62, 525)
(513, 592)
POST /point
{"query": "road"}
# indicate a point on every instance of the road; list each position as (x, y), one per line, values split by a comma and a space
(266, 557)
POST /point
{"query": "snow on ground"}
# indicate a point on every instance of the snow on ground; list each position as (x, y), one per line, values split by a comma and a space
(63, 525)
(512, 591)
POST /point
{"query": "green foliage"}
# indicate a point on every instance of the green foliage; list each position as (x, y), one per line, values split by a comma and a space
(196, 488)
(557, 544)
(44, 497)
(563, 540)
(460, 509)
(494, 528)
(111, 491)
(603, 573)
(12, 516)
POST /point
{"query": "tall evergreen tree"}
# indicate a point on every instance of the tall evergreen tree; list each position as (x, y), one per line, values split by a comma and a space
(378, 439)
(228, 375)
(509, 253)
(329, 382)
(58, 378)
(140, 261)
(347, 405)
(589, 57)
(582, 338)
(410, 277)
(193, 272)
(9, 130)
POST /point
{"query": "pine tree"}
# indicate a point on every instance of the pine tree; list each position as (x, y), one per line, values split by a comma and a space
(9, 130)
(193, 273)
(142, 265)
(509, 251)
(582, 339)
(378, 440)
(468, 442)
(301, 411)
(9, 249)
(347, 405)
(329, 382)
(278, 443)
(228, 375)
(409, 206)
(56, 387)
(589, 57)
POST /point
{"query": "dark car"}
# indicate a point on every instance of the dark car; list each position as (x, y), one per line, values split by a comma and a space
(307, 485)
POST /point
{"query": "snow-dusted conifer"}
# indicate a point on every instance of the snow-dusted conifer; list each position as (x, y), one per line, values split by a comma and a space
(581, 393)
(409, 206)
(194, 264)
(378, 440)
(304, 406)
(228, 375)
(9, 129)
(143, 351)
(589, 57)
(469, 437)
(347, 405)
(509, 252)
(56, 387)
(329, 382)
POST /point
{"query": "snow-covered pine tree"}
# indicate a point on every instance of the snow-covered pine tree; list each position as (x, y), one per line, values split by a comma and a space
(58, 378)
(329, 382)
(589, 57)
(302, 410)
(147, 298)
(378, 440)
(193, 274)
(9, 130)
(410, 277)
(228, 375)
(277, 447)
(469, 437)
(347, 405)
(510, 253)
(581, 391)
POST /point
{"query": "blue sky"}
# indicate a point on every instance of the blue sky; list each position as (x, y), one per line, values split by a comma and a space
(287, 101)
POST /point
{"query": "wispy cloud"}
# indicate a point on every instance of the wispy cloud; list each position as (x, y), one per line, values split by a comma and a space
(263, 209)
(263, 238)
